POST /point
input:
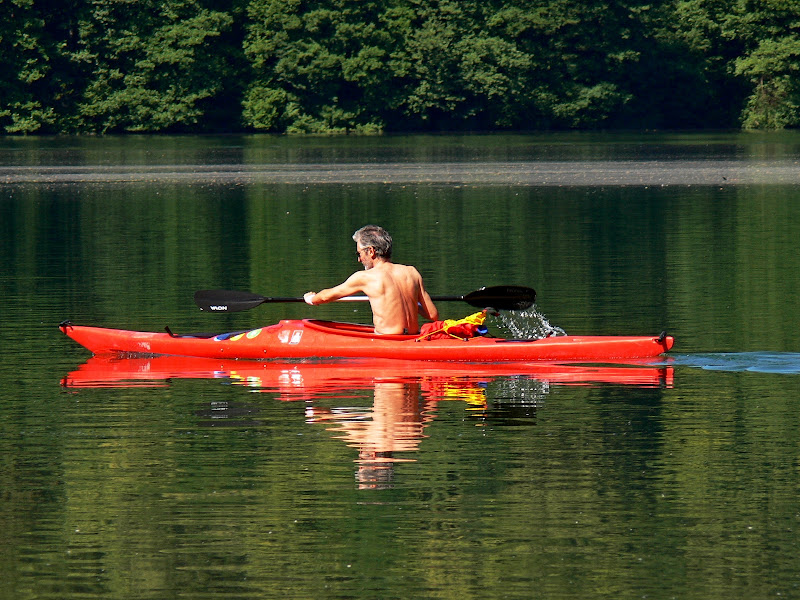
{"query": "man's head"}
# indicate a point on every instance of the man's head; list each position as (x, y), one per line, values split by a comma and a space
(377, 238)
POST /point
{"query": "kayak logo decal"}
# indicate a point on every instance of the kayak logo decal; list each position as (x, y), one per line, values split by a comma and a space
(219, 307)
(290, 337)
(252, 334)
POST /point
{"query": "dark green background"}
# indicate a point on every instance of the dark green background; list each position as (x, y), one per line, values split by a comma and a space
(333, 66)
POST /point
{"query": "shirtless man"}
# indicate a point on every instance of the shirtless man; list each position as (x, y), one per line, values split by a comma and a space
(396, 292)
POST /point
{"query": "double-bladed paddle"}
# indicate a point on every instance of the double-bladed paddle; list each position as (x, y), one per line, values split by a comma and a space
(500, 297)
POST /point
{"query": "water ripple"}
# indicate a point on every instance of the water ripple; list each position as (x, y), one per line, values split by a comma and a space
(785, 363)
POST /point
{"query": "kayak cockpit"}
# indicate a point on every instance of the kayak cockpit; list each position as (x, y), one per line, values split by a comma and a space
(352, 330)
(357, 330)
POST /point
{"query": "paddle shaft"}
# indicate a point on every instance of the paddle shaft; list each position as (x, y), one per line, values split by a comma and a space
(270, 299)
(498, 297)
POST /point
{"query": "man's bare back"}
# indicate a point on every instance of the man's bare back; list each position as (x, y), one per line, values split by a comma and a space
(396, 292)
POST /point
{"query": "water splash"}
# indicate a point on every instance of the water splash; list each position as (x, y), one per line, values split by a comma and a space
(527, 324)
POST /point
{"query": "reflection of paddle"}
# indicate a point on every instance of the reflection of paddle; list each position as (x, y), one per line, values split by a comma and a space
(501, 297)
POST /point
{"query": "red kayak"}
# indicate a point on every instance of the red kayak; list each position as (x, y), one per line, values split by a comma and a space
(310, 338)
(310, 379)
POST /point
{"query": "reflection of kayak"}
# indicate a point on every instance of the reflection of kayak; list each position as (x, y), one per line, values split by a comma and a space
(404, 394)
(296, 380)
(308, 338)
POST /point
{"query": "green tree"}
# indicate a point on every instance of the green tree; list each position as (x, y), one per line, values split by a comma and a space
(749, 55)
(770, 33)
(430, 64)
(578, 56)
(343, 66)
(37, 81)
(315, 69)
(677, 78)
(773, 69)
(151, 65)
(452, 70)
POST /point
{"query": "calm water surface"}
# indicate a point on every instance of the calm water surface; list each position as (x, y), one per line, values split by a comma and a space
(161, 478)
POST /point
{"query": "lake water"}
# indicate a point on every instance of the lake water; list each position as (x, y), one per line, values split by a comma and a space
(144, 478)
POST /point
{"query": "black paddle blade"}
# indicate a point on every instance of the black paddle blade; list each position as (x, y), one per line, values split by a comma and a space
(227, 300)
(502, 297)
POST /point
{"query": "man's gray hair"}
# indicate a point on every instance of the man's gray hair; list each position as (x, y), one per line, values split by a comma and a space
(377, 238)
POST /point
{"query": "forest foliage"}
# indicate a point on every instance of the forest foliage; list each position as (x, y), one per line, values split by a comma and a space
(338, 66)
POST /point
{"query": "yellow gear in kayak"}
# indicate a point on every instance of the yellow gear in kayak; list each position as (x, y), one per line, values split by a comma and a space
(461, 329)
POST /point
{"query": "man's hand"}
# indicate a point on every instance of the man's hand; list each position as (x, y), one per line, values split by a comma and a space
(309, 297)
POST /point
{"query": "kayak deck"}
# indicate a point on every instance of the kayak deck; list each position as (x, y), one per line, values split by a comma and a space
(311, 338)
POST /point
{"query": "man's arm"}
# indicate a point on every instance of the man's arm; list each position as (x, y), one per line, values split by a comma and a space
(350, 286)
(426, 306)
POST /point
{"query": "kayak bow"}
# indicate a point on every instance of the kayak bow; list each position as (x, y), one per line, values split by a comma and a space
(311, 338)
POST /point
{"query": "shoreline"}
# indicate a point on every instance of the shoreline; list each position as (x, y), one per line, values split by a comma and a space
(523, 173)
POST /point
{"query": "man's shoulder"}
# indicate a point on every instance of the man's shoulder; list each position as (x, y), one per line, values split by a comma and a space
(358, 276)
(406, 268)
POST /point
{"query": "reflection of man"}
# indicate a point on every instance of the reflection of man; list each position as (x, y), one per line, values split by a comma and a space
(395, 424)
(396, 292)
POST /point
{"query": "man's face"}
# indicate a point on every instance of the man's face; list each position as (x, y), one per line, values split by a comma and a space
(366, 256)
